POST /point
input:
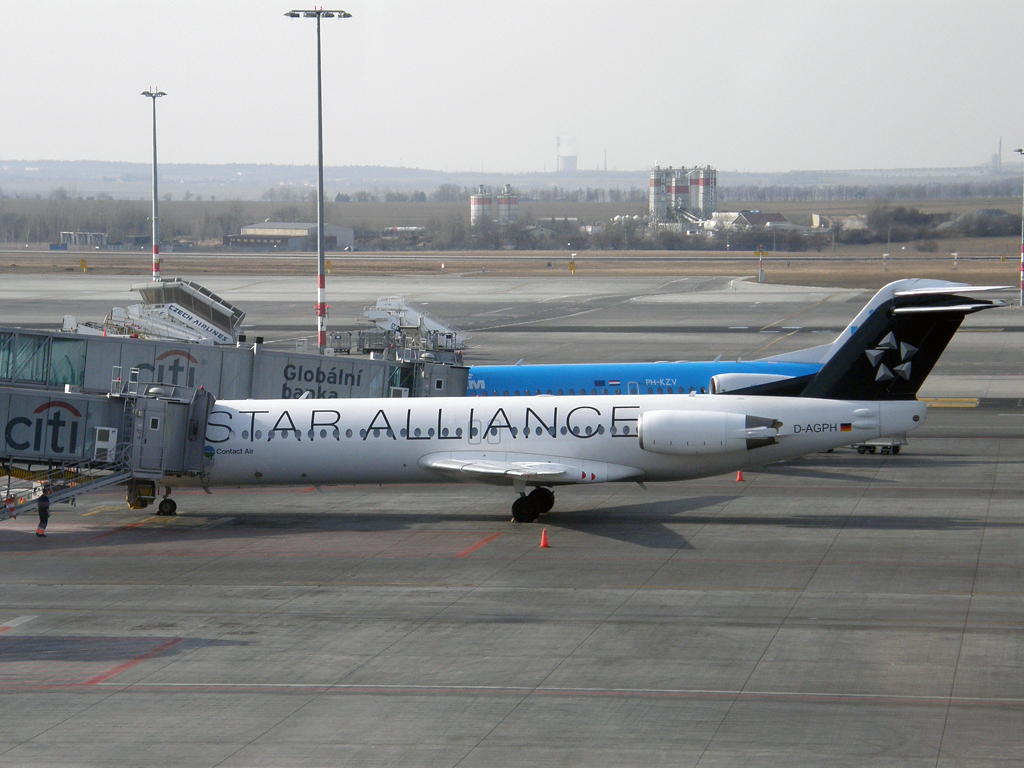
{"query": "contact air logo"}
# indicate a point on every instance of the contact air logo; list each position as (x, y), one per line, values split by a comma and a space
(173, 363)
(209, 452)
(55, 428)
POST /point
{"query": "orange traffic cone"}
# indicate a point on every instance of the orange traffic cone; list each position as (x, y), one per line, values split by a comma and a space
(544, 539)
(739, 475)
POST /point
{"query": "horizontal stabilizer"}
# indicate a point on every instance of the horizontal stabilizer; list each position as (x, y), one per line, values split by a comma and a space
(910, 288)
(889, 356)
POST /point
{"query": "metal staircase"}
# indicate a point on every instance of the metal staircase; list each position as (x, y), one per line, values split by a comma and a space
(62, 484)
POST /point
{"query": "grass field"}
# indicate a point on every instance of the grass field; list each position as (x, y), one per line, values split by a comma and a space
(191, 215)
(375, 216)
(993, 261)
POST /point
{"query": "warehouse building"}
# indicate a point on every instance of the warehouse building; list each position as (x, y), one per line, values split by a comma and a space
(290, 236)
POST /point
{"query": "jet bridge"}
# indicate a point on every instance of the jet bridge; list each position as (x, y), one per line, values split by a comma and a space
(71, 443)
(172, 309)
(416, 326)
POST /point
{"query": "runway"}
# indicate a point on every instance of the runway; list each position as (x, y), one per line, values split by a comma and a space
(839, 609)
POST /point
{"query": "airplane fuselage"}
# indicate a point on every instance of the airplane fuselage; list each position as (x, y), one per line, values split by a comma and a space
(620, 378)
(591, 439)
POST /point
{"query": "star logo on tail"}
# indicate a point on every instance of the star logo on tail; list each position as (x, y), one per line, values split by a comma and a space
(887, 345)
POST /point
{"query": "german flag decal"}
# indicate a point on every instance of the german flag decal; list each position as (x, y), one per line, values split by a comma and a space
(845, 428)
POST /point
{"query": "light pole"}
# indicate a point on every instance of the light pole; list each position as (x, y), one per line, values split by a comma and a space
(154, 94)
(321, 293)
(1021, 153)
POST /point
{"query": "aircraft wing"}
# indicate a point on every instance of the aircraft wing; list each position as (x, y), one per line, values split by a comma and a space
(510, 469)
(519, 468)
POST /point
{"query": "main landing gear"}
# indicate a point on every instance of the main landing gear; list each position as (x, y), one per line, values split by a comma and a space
(528, 507)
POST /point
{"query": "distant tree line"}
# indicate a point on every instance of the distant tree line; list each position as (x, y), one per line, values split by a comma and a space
(453, 193)
(851, 192)
(885, 222)
(120, 219)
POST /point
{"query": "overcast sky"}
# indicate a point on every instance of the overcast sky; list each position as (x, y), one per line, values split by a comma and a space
(471, 84)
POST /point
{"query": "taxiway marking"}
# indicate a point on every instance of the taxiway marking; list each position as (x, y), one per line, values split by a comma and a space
(125, 527)
(16, 622)
(132, 662)
(479, 544)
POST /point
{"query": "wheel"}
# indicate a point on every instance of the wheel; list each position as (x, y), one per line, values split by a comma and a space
(524, 510)
(543, 498)
(167, 507)
(885, 449)
(862, 449)
(895, 449)
(871, 449)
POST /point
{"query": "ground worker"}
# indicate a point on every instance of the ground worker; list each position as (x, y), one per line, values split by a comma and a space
(43, 503)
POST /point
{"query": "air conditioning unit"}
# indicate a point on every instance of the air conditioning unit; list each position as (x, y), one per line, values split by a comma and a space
(105, 444)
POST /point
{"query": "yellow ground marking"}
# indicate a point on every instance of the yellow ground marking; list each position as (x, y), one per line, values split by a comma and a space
(781, 338)
(951, 402)
(104, 508)
(805, 309)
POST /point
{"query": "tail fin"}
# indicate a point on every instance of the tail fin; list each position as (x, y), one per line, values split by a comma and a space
(823, 352)
(891, 353)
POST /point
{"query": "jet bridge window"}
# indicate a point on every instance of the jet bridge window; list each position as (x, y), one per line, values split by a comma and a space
(31, 358)
(67, 362)
(6, 355)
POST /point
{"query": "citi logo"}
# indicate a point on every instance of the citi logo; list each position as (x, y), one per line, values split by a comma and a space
(55, 429)
(173, 363)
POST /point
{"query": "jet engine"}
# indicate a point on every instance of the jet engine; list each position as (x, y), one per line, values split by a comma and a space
(686, 433)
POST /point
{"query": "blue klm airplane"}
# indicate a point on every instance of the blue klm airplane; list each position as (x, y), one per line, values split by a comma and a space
(784, 374)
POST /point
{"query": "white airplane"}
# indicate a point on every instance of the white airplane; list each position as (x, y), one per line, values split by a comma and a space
(866, 390)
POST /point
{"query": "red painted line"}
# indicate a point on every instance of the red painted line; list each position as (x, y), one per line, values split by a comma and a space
(4, 629)
(124, 528)
(129, 664)
(479, 544)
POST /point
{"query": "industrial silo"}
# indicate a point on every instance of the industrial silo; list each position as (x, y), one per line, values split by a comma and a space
(507, 206)
(657, 200)
(702, 191)
(480, 206)
(678, 190)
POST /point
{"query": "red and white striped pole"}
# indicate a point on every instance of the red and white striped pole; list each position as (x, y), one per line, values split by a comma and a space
(321, 291)
(154, 94)
(1021, 153)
